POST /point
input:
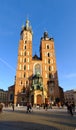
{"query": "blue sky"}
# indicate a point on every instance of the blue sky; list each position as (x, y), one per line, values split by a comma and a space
(58, 17)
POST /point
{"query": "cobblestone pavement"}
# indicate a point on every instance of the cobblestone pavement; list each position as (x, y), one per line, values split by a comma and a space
(52, 119)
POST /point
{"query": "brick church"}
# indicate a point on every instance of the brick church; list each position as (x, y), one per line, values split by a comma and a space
(36, 77)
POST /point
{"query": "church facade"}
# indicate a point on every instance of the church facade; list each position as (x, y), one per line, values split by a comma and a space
(36, 77)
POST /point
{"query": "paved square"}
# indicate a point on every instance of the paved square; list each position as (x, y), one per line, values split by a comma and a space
(52, 119)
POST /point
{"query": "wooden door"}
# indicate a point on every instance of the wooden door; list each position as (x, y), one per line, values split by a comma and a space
(39, 99)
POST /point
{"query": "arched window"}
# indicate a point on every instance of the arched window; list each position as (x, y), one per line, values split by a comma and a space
(48, 54)
(47, 46)
(24, 67)
(24, 47)
(25, 60)
(37, 69)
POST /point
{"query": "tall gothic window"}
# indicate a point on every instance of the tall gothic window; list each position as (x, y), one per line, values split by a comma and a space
(37, 68)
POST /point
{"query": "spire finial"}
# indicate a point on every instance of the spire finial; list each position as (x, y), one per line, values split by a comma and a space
(27, 24)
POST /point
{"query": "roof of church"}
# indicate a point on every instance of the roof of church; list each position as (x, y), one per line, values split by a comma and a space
(35, 57)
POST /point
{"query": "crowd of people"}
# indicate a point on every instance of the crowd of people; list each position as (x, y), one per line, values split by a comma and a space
(70, 107)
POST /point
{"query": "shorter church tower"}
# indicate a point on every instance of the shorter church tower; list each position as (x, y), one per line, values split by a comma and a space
(49, 69)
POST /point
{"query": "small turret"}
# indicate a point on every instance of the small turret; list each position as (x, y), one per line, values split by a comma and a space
(27, 27)
(45, 35)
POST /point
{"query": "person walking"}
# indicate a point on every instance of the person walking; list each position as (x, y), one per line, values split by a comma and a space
(70, 108)
(29, 107)
(13, 107)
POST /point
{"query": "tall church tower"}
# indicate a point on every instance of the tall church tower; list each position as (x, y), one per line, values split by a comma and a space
(24, 70)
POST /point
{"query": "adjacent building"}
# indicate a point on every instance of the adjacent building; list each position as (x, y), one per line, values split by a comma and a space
(11, 94)
(3, 96)
(70, 96)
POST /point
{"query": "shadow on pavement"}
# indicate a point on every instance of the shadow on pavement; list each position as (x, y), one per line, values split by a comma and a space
(17, 125)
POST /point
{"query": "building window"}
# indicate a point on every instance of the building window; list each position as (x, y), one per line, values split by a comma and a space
(25, 53)
(24, 67)
(49, 68)
(49, 61)
(25, 60)
(11, 97)
(27, 82)
(24, 75)
(48, 54)
(47, 47)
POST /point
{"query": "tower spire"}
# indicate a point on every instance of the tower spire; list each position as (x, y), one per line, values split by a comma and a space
(27, 24)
